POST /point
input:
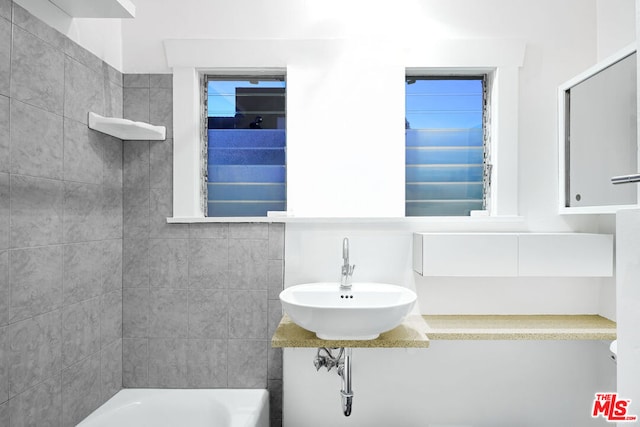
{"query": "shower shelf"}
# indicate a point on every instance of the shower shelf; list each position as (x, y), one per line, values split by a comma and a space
(126, 129)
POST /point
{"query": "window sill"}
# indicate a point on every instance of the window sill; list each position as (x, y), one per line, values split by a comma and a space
(507, 220)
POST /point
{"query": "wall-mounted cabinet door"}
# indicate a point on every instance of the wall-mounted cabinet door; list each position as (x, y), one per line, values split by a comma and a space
(598, 136)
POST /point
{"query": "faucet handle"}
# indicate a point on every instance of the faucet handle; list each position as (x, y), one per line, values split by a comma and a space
(347, 270)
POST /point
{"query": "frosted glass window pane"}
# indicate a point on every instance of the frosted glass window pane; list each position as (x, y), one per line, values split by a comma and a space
(444, 145)
(246, 159)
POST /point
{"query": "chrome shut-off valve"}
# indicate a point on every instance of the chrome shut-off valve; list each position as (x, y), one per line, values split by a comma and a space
(328, 360)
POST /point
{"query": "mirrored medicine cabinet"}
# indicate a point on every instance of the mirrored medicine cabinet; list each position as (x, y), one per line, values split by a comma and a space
(597, 118)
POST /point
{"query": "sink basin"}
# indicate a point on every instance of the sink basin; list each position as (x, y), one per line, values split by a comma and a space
(361, 313)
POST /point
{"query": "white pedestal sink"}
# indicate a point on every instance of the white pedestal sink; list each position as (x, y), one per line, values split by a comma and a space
(361, 313)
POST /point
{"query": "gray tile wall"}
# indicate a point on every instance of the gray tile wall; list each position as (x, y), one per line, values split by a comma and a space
(60, 227)
(200, 300)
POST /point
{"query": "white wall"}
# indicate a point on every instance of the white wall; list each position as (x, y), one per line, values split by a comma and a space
(102, 37)
(354, 165)
(562, 39)
(394, 385)
(345, 129)
(628, 268)
(476, 383)
(306, 19)
(382, 252)
(628, 295)
(616, 25)
(454, 383)
(368, 117)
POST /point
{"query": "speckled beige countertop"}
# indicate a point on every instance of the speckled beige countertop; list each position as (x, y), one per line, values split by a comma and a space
(416, 331)
(410, 334)
(519, 327)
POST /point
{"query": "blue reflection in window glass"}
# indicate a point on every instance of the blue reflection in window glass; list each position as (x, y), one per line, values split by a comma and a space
(444, 145)
(246, 147)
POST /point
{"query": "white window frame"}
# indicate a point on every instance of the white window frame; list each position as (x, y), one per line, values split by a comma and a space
(190, 59)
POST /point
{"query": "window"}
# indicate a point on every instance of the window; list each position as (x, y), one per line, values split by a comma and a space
(446, 161)
(500, 60)
(246, 147)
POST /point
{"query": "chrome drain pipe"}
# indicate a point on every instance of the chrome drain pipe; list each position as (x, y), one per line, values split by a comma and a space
(344, 370)
(343, 363)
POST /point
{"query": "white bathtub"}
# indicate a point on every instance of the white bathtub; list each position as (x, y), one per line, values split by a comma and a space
(182, 408)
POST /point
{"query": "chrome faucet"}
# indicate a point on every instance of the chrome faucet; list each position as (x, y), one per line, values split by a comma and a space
(347, 269)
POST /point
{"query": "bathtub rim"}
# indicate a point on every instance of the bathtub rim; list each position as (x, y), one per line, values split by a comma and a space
(256, 399)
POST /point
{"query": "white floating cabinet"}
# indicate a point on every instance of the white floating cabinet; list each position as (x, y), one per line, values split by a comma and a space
(560, 254)
(513, 254)
(464, 254)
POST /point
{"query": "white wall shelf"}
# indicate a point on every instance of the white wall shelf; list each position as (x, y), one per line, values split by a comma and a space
(513, 254)
(97, 8)
(126, 129)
